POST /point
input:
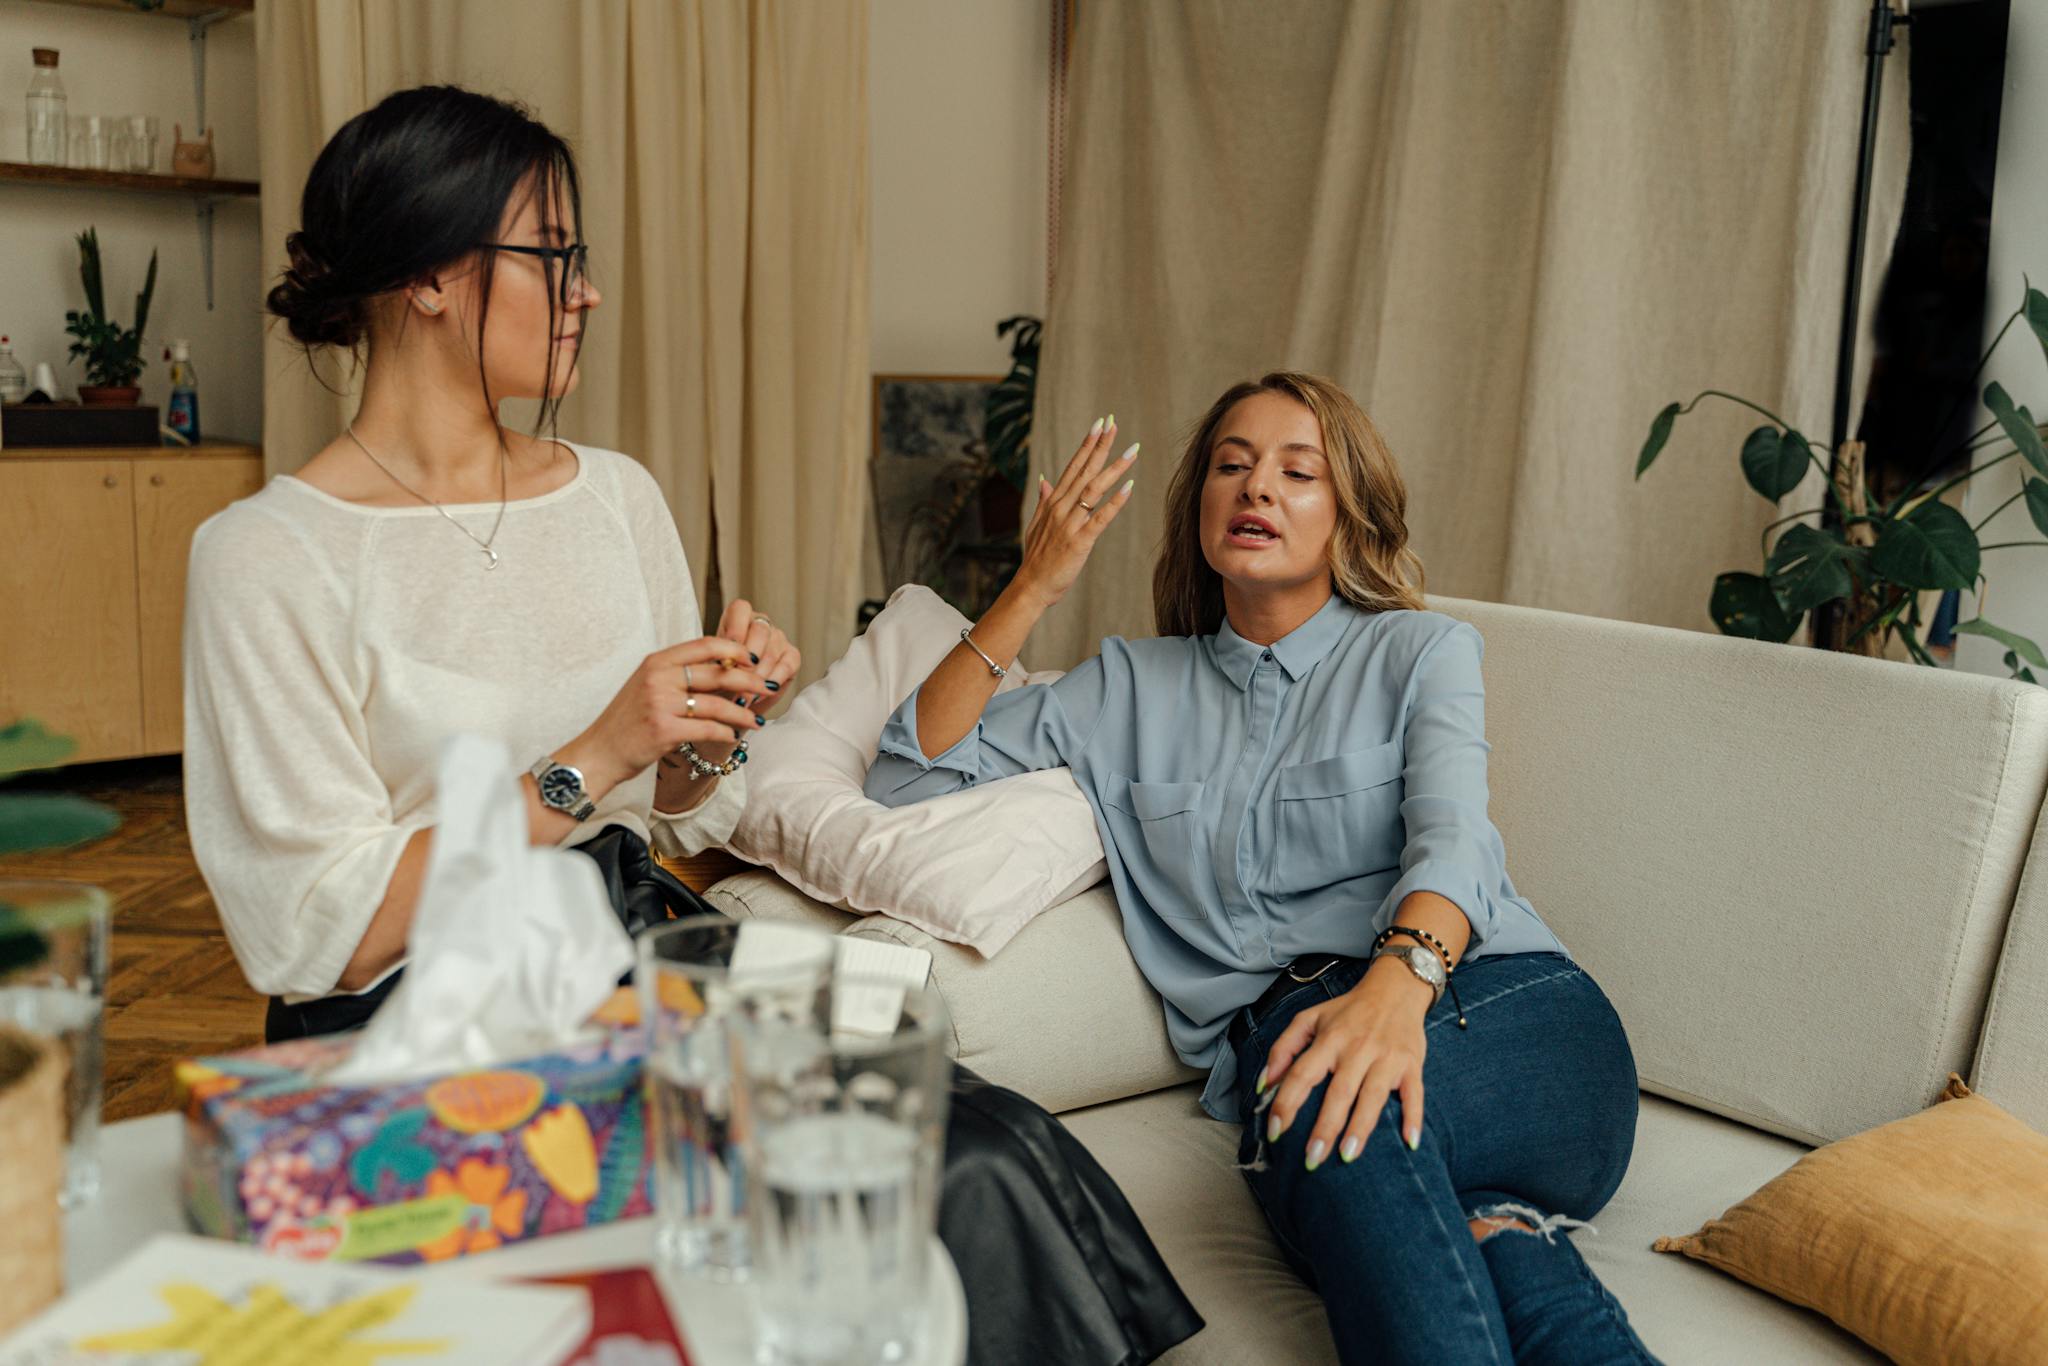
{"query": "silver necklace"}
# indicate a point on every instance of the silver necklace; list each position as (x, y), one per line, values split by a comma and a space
(483, 545)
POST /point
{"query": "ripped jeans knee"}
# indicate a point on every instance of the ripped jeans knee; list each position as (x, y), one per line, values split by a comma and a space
(1510, 1217)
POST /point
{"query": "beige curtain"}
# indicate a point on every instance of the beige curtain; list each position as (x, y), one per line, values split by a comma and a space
(1513, 230)
(723, 150)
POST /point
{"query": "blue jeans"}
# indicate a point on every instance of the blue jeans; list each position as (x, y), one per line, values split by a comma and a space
(1528, 1113)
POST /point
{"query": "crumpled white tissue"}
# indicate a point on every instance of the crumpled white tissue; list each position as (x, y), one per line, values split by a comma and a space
(512, 947)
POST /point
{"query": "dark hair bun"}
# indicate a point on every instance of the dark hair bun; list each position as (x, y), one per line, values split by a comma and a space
(316, 313)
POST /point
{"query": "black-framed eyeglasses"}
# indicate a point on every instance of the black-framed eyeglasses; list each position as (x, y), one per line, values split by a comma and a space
(567, 266)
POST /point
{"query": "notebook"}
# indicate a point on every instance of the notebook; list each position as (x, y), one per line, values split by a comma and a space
(185, 1301)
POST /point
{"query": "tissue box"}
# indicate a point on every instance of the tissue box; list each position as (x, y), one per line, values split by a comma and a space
(413, 1171)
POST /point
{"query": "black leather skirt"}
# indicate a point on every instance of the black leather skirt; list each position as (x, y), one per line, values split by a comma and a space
(1057, 1269)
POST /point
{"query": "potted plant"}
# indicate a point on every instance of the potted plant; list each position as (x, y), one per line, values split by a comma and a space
(112, 353)
(1873, 555)
(33, 1067)
(1006, 425)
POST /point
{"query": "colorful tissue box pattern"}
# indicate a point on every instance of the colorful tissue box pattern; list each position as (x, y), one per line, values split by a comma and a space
(416, 1171)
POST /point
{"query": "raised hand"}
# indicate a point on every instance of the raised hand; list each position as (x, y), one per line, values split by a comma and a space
(1072, 514)
(769, 650)
(682, 693)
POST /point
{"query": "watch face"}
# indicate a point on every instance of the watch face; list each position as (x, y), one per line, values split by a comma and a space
(1425, 962)
(561, 787)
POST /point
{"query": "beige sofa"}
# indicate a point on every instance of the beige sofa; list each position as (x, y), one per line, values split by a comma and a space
(1804, 880)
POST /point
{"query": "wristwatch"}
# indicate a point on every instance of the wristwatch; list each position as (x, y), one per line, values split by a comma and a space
(561, 787)
(1423, 963)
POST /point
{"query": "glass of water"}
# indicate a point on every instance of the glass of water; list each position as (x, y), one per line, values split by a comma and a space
(844, 1143)
(53, 982)
(693, 976)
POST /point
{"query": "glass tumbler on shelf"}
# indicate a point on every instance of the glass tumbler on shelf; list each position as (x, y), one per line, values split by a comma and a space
(844, 1141)
(141, 132)
(91, 143)
(48, 131)
(693, 976)
(53, 982)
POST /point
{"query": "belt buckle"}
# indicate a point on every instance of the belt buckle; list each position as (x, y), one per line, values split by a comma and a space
(1330, 960)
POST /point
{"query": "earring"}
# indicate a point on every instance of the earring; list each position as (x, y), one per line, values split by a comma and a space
(428, 304)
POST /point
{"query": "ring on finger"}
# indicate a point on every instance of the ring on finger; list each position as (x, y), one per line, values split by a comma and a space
(1085, 504)
(760, 620)
(690, 706)
(689, 685)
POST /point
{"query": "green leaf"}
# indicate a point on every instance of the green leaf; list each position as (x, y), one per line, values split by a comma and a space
(2019, 426)
(2020, 673)
(1660, 432)
(1774, 463)
(1930, 547)
(2011, 640)
(26, 745)
(2036, 311)
(2037, 504)
(30, 822)
(1744, 605)
(1809, 566)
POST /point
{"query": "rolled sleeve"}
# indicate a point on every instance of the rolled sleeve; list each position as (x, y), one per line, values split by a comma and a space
(1023, 730)
(685, 834)
(1452, 847)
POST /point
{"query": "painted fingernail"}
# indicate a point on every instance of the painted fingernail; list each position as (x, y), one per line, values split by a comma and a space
(760, 720)
(1350, 1148)
(1110, 421)
(1129, 484)
(751, 655)
(1316, 1151)
(1096, 430)
(1132, 453)
(1414, 1142)
(1259, 1086)
(773, 686)
(1274, 1128)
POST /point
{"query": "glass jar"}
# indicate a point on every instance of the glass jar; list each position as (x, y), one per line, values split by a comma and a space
(47, 130)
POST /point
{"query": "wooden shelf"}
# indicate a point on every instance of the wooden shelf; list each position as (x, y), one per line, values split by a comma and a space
(171, 9)
(206, 187)
(239, 450)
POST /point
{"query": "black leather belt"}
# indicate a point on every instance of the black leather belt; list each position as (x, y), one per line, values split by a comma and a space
(1299, 973)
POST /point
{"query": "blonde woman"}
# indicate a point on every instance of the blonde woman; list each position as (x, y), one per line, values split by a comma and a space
(1291, 786)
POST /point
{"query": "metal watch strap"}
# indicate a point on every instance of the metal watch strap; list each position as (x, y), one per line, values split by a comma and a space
(1423, 963)
(546, 764)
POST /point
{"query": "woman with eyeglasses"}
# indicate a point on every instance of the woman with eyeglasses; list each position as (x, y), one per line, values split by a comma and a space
(431, 570)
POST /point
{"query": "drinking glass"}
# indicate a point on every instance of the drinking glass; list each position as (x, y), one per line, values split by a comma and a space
(142, 134)
(53, 982)
(693, 975)
(843, 1139)
(90, 142)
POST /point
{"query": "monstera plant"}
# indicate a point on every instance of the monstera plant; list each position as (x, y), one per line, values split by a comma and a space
(30, 821)
(1874, 555)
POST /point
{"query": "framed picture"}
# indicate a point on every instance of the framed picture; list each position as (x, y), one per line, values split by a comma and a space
(942, 517)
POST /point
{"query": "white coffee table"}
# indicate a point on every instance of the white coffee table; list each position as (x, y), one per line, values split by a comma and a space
(139, 1197)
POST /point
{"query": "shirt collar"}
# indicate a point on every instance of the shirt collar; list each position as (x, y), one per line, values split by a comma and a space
(1298, 651)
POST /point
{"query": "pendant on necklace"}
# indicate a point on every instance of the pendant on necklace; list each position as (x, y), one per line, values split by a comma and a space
(494, 558)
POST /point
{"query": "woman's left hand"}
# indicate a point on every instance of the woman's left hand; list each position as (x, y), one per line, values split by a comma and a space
(773, 655)
(1369, 1043)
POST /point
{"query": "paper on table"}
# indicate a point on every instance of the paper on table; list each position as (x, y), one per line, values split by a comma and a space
(512, 946)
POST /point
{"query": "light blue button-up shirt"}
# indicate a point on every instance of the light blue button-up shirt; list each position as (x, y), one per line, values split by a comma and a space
(1259, 802)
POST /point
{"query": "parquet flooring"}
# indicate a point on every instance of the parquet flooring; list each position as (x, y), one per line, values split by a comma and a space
(173, 989)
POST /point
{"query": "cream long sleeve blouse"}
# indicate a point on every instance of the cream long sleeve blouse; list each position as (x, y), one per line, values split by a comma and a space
(330, 648)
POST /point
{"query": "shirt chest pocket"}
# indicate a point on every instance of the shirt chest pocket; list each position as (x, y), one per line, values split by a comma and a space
(1338, 818)
(1166, 818)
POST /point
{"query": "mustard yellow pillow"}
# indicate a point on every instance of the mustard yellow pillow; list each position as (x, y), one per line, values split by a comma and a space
(1926, 1237)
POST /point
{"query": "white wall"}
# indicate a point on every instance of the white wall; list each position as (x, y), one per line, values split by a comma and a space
(2017, 596)
(117, 63)
(956, 164)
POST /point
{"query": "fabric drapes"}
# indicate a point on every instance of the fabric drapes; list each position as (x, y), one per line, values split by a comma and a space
(1514, 231)
(723, 151)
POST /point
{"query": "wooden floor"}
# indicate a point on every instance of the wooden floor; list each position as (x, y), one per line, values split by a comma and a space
(173, 989)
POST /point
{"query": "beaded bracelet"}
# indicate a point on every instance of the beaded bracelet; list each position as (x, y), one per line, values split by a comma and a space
(1431, 941)
(701, 767)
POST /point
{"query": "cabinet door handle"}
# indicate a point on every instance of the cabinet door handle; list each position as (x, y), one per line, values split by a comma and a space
(156, 481)
(113, 481)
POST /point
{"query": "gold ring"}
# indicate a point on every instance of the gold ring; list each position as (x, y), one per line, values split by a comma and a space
(1085, 504)
(689, 706)
(760, 620)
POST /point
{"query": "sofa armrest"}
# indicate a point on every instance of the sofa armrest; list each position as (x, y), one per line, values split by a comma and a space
(1061, 1015)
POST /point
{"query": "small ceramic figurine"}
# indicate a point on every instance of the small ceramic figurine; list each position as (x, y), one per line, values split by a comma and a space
(191, 158)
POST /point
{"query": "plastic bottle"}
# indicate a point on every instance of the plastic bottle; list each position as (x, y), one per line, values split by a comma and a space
(183, 416)
(47, 127)
(13, 379)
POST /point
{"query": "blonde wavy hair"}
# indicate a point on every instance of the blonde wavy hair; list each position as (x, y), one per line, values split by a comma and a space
(1371, 565)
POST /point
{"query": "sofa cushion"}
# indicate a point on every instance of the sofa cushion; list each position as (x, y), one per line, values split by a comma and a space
(1791, 870)
(1062, 1017)
(1922, 1236)
(1175, 1166)
(2012, 1060)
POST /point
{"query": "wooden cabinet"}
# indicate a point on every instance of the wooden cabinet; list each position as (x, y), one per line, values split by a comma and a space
(93, 549)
